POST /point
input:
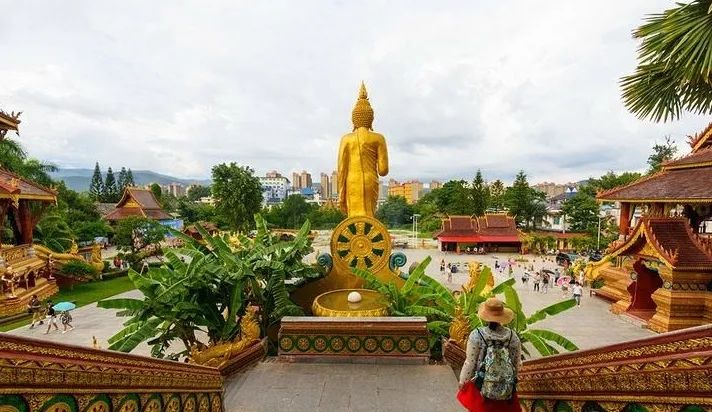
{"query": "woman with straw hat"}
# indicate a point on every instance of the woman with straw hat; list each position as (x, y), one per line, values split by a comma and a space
(488, 376)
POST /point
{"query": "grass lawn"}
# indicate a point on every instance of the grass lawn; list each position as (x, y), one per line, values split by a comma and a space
(83, 294)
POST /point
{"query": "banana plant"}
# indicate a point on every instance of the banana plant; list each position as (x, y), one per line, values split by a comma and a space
(424, 295)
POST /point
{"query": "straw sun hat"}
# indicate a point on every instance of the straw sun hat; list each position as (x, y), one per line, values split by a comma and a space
(493, 310)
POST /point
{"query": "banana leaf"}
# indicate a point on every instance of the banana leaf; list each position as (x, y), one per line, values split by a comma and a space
(551, 310)
(554, 337)
(414, 277)
(121, 303)
(539, 344)
(143, 333)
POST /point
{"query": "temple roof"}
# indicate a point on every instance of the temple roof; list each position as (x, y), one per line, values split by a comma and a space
(687, 179)
(16, 187)
(137, 202)
(490, 227)
(8, 122)
(702, 139)
(689, 185)
(671, 240)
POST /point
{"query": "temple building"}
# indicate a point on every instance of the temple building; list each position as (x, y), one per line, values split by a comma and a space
(495, 232)
(137, 203)
(661, 270)
(22, 204)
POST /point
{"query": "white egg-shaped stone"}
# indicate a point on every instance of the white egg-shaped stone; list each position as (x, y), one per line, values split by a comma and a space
(354, 297)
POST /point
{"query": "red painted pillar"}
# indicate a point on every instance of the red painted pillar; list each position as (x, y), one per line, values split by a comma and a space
(26, 224)
(624, 219)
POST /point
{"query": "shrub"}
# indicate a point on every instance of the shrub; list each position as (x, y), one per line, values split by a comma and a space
(78, 269)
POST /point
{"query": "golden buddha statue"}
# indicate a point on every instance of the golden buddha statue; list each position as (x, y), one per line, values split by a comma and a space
(363, 157)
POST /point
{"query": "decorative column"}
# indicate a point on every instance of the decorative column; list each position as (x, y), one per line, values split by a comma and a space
(624, 219)
(682, 301)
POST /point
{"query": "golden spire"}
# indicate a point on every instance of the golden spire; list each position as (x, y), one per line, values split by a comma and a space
(362, 115)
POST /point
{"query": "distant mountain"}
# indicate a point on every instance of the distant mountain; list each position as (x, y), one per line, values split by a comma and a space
(79, 179)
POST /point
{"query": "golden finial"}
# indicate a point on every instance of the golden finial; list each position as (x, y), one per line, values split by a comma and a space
(362, 115)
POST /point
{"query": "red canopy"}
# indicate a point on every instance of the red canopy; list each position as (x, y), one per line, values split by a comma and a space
(480, 239)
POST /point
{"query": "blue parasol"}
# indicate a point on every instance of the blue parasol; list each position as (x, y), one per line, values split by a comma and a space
(64, 306)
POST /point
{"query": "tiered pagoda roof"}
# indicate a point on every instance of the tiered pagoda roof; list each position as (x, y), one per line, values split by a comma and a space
(16, 187)
(492, 227)
(137, 202)
(671, 240)
(684, 180)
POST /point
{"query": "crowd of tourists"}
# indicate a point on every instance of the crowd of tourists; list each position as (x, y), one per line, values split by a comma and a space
(47, 312)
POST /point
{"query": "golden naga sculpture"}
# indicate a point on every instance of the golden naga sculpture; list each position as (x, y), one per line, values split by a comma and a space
(363, 157)
(475, 269)
(459, 328)
(221, 353)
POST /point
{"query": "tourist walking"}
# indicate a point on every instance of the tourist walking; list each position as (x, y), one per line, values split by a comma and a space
(545, 283)
(442, 265)
(35, 308)
(489, 374)
(578, 291)
(66, 320)
(448, 272)
(51, 317)
(537, 280)
(525, 278)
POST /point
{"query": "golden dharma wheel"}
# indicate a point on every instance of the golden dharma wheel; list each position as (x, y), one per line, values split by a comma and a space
(361, 242)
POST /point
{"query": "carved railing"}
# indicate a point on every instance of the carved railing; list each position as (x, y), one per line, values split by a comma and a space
(668, 372)
(36, 375)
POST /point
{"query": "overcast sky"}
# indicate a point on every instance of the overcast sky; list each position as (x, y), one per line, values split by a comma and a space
(178, 86)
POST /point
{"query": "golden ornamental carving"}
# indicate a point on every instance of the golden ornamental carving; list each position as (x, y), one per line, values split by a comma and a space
(361, 242)
(220, 354)
(460, 328)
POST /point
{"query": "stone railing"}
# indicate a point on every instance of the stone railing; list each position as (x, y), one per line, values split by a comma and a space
(667, 372)
(37, 375)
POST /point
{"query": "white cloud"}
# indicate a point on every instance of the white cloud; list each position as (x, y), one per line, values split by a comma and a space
(179, 86)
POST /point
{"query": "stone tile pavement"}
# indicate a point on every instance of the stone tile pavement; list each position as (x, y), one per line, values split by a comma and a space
(88, 321)
(278, 386)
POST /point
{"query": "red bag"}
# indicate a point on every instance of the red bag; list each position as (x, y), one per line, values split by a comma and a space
(470, 397)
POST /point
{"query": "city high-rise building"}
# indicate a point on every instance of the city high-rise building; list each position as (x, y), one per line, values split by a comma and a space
(305, 179)
(410, 190)
(334, 185)
(325, 186)
(296, 181)
(435, 185)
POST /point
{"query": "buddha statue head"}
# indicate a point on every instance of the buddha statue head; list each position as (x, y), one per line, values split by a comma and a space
(362, 115)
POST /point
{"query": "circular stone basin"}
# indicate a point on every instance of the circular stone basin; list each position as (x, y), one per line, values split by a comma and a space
(335, 304)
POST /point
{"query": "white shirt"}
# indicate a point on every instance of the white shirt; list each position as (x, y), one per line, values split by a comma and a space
(578, 290)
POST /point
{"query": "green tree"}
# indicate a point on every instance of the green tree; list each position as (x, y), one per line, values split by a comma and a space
(395, 211)
(238, 194)
(581, 212)
(96, 187)
(480, 195)
(111, 191)
(139, 237)
(53, 232)
(291, 214)
(326, 217)
(608, 181)
(121, 181)
(453, 198)
(674, 64)
(129, 182)
(661, 154)
(526, 204)
(497, 191)
(197, 192)
(13, 158)
(157, 191)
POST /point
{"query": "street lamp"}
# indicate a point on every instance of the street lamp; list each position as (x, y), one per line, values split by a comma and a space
(415, 229)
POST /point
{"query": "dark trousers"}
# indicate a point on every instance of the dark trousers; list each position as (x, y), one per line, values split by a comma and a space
(536, 286)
